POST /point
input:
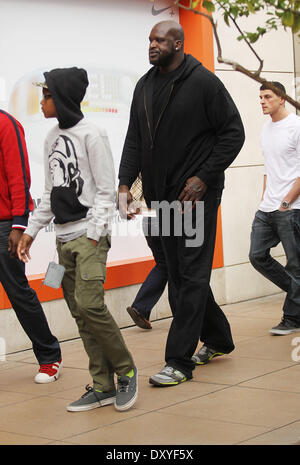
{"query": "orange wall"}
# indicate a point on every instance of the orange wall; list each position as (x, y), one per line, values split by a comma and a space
(119, 274)
(198, 42)
(198, 37)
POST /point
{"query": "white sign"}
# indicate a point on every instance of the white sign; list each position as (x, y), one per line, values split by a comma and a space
(108, 39)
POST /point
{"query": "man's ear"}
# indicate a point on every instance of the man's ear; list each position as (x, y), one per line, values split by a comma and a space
(178, 44)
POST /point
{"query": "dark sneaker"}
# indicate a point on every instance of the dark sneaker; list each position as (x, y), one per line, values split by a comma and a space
(205, 355)
(139, 320)
(92, 399)
(286, 326)
(127, 390)
(168, 376)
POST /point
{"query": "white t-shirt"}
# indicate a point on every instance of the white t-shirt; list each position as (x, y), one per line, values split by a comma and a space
(280, 144)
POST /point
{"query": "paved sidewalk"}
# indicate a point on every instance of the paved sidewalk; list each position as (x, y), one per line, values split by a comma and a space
(251, 396)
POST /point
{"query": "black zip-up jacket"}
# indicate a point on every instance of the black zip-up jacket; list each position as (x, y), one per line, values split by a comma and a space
(199, 133)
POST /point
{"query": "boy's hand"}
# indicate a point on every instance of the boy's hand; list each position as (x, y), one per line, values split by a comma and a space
(23, 248)
(13, 241)
(124, 201)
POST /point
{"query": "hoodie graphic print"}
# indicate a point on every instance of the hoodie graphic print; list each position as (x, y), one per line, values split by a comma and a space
(66, 180)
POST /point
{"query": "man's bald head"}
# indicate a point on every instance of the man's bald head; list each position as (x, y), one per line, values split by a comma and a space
(166, 45)
(171, 28)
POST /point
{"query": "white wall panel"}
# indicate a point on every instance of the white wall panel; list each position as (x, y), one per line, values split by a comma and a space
(275, 48)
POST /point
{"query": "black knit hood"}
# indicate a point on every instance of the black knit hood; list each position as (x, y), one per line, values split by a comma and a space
(67, 87)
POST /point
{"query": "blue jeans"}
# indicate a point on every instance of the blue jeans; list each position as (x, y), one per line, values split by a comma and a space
(268, 230)
(155, 283)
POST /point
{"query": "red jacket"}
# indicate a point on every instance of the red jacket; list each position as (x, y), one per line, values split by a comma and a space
(15, 199)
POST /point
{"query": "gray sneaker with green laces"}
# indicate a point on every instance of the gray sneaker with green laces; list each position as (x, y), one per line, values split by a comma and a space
(127, 390)
(92, 399)
(168, 376)
(205, 355)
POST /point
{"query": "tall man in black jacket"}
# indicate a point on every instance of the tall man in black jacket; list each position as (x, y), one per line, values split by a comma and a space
(184, 131)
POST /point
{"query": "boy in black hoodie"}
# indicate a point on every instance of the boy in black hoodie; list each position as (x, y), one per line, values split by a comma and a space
(79, 195)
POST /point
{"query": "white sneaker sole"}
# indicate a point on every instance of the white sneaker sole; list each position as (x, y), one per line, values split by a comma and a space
(281, 332)
(85, 408)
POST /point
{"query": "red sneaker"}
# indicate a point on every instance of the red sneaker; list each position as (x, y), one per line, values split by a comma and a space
(48, 372)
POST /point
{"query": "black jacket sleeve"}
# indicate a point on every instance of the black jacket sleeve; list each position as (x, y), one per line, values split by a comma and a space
(229, 132)
(130, 164)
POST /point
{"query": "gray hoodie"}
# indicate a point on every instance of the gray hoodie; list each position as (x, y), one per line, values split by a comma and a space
(79, 173)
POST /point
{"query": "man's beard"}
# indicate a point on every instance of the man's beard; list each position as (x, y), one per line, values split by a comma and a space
(164, 60)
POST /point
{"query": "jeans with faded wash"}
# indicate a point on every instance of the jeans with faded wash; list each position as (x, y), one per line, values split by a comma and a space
(268, 230)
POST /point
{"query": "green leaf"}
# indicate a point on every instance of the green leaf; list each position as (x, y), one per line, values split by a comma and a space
(281, 4)
(234, 11)
(208, 4)
(251, 7)
(226, 18)
(288, 18)
(252, 37)
(296, 25)
(261, 30)
(195, 3)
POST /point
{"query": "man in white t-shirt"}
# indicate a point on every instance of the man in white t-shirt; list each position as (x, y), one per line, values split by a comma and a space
(278, 217)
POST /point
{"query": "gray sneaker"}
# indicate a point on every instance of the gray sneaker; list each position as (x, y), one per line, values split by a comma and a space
(286, 326)
(92, 399)
(168, 376)
(205, 355)
(127, 391)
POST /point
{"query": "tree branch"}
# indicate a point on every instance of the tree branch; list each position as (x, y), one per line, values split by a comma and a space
(236, 66)
(261, 62)
(210, 19)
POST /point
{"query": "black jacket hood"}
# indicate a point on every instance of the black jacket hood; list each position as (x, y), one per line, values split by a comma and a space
(67, 87)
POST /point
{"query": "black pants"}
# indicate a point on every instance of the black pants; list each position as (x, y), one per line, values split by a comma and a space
(155, 283)
(25, 303)
(196, 314)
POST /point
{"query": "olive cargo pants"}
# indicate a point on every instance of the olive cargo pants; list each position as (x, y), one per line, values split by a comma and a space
(82, 285)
